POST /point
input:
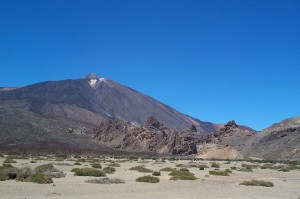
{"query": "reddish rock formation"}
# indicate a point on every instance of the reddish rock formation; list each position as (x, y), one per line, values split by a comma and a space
(152, 137)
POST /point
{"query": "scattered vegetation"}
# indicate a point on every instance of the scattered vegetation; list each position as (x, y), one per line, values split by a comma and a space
(105, 181)
(19, 156)
(156, 173)
(134, 158)
(267, 166)
(182, 175)
(168, 169)
(283, 167)
(245, 169)
(148, 179)
(141, 168)
(228, 162)
(109, 170)
(257, 183)
(77, 163)
(45, 167)
(39, 178)
(7, 172)
(9, 160)
(215, 165)
(114, 165)
(49, 170)
(96, 166)
(219, 173)
(202, 166)
(88, 172)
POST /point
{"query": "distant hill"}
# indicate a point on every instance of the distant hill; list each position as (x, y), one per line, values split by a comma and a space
(279, 141)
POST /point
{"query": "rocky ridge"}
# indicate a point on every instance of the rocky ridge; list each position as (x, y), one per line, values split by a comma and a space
(153, 136)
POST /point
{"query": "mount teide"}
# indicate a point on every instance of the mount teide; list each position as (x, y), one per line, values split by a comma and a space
(92, 99)
(40, 117)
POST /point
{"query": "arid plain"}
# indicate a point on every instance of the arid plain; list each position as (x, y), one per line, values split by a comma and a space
(286, 184)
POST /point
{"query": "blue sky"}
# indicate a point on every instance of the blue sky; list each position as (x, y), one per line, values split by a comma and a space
(214, 60)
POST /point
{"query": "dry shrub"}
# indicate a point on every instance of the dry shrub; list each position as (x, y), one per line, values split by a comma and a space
(258, 183)
(148, 179)
(182, 175)
(141, 169)
(105, 181)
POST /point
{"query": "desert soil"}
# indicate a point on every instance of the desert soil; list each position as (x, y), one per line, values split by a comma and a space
(286, 184)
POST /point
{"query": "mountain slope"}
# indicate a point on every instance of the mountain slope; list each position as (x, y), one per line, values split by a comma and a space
(92, 99)
(24, 131)
(279, 141)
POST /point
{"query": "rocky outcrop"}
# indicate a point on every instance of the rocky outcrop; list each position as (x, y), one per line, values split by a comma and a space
(153, 136)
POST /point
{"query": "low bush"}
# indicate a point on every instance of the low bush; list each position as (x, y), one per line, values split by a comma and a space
(88, 172)
(114, 165)
(267, 166)
(168, 169)
(77, 163)
(141, 169)
(75, 169)
(55, 174)
(45, 167)
(250, 167)
(182, 175)
(96, 166)
(257, 183)
(134, 158)
(6, 165)
(39, 178)
(109, 170)
(202, 166)
(23, 174)
(148, 179)
(105, 181)
(8, 172)
(287, 167)
(9, 160)
(243, 169)
(219, 173)
(156, 173)
(184, 169)
(20, 156)
(81, 160)
(215, 165)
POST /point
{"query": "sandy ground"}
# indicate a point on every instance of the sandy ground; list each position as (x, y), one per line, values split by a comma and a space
(286, 184)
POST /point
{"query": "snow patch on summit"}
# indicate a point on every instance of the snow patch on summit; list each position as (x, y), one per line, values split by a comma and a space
(93, 82)
(96, 81)
(102, 79)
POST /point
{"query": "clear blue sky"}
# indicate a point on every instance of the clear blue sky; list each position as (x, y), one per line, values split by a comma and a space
(215, 60)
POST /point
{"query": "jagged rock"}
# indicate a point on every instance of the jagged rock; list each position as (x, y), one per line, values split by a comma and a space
(152, 137)
(231, 124)
(153, 123)
(193, 128)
